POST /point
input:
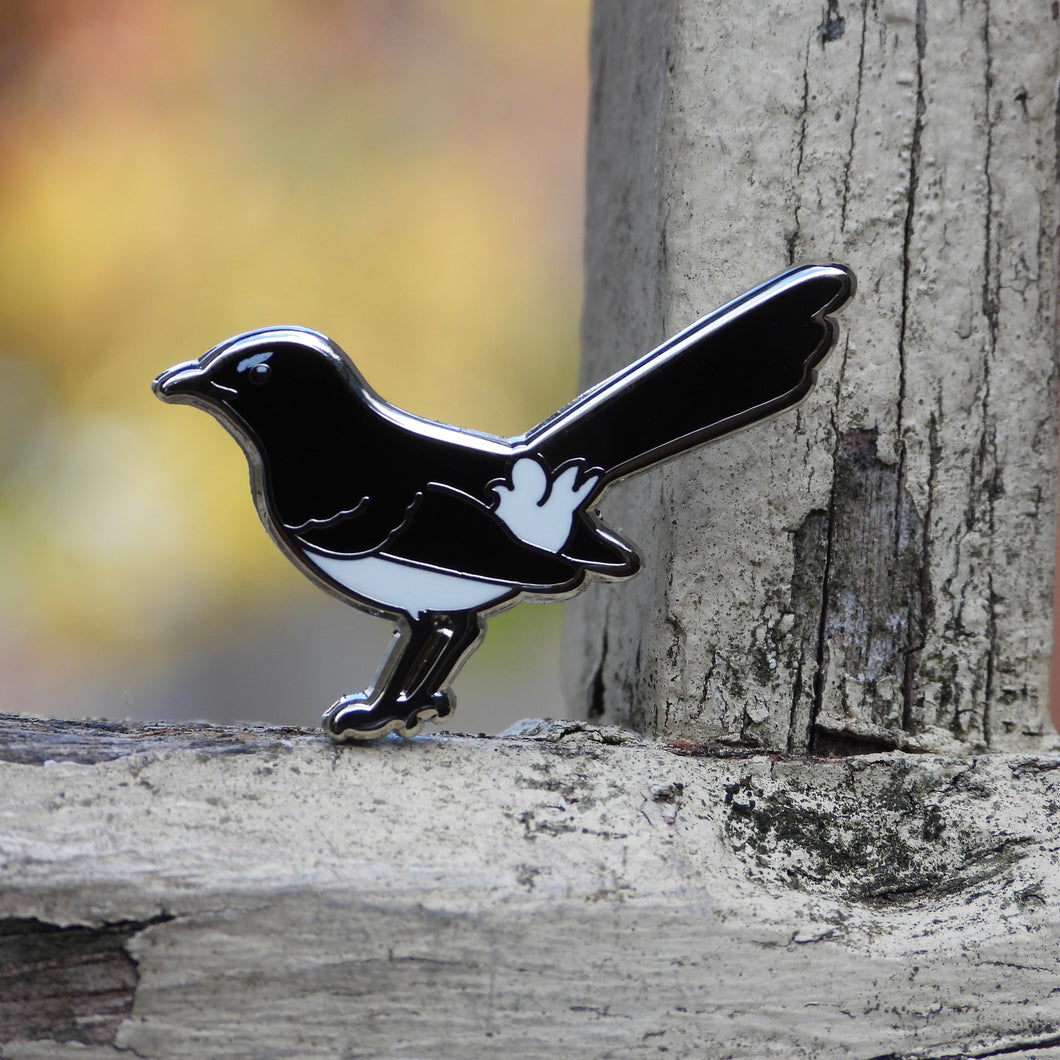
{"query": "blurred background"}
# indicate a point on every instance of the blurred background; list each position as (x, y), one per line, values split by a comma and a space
(404, 175)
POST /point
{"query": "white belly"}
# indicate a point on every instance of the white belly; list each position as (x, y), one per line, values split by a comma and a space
(414, 590)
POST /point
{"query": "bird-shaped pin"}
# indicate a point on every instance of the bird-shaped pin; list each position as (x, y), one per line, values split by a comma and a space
(437, 528)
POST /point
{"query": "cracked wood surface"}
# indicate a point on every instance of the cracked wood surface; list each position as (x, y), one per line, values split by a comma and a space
(874, 570)
(249, 893)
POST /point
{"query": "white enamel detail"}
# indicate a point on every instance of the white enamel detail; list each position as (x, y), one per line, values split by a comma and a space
(411, 589)
(537, 511)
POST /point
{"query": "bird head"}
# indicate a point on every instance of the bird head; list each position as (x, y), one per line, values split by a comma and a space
(263, 382)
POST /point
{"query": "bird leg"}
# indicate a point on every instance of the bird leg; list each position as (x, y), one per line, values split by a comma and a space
(412, 684)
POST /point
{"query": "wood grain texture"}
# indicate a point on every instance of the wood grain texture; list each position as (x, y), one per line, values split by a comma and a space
(71, 983)
(873, 571)
(571, 891)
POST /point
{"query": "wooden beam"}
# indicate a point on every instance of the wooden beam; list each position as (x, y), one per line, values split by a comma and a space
(570, 891)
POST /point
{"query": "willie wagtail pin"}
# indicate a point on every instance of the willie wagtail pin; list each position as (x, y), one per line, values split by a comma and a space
(437, 528)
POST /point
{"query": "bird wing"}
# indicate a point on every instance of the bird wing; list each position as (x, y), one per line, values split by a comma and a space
(352, 533)
(446, 530)
(596, 548)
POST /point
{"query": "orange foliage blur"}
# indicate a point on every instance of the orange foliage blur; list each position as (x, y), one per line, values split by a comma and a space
(404, 175)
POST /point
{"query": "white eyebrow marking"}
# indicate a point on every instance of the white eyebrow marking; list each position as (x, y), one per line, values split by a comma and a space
(252, 361)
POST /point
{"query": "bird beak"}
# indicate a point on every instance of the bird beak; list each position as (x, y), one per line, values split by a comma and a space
(180, 382)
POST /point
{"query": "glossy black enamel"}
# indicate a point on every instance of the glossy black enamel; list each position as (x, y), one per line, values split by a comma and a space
(339, 475)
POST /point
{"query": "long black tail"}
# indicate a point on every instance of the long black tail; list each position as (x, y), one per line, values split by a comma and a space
(744, 362)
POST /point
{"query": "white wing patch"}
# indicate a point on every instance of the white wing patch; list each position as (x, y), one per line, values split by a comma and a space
(537, 511)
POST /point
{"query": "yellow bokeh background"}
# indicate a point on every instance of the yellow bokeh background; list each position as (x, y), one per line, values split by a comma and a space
(404, 175)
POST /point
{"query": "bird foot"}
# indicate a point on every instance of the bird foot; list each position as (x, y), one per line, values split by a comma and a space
(365, 716)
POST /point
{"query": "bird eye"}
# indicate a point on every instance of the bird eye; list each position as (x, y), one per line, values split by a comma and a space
(259, 374)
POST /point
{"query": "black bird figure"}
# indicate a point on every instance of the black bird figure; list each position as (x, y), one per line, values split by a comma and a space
(437, 528)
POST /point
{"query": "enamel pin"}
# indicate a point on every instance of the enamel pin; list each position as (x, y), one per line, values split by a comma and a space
(437, 528)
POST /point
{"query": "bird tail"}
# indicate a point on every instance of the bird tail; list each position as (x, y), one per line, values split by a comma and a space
(744, 362)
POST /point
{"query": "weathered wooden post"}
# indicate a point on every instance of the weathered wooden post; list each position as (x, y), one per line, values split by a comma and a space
(870, 574)
(874, 573)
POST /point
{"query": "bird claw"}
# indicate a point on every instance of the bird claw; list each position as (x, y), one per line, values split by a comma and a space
(368, 716)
